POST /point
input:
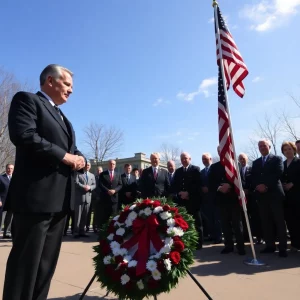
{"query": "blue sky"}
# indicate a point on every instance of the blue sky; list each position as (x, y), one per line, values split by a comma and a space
(133, 59)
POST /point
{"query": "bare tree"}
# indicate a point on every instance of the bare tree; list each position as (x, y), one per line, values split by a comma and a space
(288, 126)
(9, 85)
(170, 152)
(270, 129)
(103, 142)
(252, 151)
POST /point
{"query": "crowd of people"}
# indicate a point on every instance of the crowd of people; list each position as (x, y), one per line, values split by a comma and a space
(271, 186)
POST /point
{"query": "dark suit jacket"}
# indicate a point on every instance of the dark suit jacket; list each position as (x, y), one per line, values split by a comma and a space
(41, 183)
(269, 175)
(291, 174)
(216, 176)
(106, 184)
(246, 177)
(128, 187)
(189, 181)
(150, 187)
(4, 184)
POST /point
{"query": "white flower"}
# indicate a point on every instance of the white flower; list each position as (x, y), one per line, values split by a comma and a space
(169, 241)
(114, 245)
(132, 207)
(107, 259)
(171, 222)
(168, 264)
(116, 218)
(120, 231)
(123, 251)
(140, 284)
(132, 216)
(178, 231)
(147, 211)
(127, 258)
(124, 279)
(132, 264)
(157, 255)
(151, 265)
(128, 222)
(117, 224)
(165, 215)
(116, 251)
(110, 237)
(156, 274)
(158, 209)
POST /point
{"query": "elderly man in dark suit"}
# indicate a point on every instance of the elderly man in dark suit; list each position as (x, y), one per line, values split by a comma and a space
(186, 187)
(128, 193)
(43, 185)
(268, 191)
(154, 181)
(110, 184)
(4, 214)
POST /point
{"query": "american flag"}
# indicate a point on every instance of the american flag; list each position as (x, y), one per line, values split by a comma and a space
(234, 71)
(234, 67)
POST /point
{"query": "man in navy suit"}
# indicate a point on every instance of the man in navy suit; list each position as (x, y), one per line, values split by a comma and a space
(154, 181)
(268, 191)
(186, 186)
(4, 213)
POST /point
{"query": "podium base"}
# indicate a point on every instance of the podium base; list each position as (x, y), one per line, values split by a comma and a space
(254, 262)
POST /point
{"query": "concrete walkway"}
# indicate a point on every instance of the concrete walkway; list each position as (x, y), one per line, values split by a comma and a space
(225, 277)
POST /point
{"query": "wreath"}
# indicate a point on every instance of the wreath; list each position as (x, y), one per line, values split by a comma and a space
(145, 249)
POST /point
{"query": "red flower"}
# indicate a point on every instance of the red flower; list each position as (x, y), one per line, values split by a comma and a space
(156, 203)
(118, 239)
(174, 210)
(119, 259)
(161, 266)
(105, 248)
(145, 203)
(131, 272)
(123, 216)
(179, 221)
(152, 283)
(166, 207)
(111, 227)
(175, 257)
(126, 208)
(178, 246)
(176, 239)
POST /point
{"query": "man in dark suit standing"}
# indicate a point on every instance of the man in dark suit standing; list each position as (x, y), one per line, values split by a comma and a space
(252, 207)
(128, 192)
(186, 186)
(43, 185)
(4, 214)
(110, 184)
(209, 210)
(154, 181)
(230, 209)
(266, 173)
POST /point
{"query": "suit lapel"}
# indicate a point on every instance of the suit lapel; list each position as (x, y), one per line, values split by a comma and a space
(54, 114)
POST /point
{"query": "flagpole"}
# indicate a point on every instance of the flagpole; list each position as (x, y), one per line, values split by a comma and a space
(253, 261)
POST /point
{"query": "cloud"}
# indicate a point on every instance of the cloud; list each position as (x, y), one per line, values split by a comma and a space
(269, 14)
(160, 101)
(204, 88)
(257, 79)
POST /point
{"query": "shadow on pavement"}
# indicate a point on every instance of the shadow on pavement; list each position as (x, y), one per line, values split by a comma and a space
(216, 264)
(86, 297)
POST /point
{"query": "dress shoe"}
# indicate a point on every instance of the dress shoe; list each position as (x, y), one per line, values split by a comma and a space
(268, 250)
(282, 253)
(227, 250)
(199, 246)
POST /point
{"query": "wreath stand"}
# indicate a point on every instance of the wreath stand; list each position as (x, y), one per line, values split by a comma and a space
(155, 297)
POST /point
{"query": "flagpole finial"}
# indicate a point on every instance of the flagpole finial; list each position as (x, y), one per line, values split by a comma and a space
(215, 3)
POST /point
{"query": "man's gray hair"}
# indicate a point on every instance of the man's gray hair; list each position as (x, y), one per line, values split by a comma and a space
(265, 141)
(207, 154)
(53, 70)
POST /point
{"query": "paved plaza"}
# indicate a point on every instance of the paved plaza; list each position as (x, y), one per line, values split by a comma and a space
(225, 277)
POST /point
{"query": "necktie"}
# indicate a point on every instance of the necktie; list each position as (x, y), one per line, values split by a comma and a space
(264, 160)
(111, 175)
(155, 173)
(128, 178)
(86, 176)
(184, 169)
(206, 171)
(58, 111)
